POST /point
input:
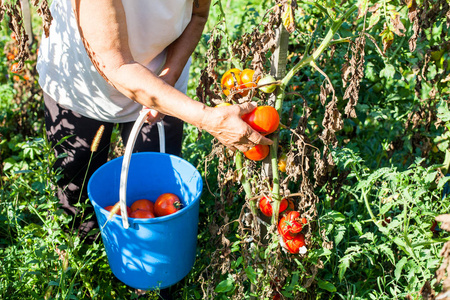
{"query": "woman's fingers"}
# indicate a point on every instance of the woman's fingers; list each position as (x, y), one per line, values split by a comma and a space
(153, 116)
(229, 128)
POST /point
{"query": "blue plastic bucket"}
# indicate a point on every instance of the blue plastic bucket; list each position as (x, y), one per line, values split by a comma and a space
(152, 253)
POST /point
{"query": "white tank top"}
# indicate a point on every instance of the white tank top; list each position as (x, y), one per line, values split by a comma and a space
(67, 75)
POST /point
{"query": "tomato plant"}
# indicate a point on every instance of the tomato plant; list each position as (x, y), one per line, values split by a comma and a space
(167, 204)
(264, 119)
(257, 153)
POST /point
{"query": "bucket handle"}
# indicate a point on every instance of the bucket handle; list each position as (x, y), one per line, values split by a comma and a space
(127, 157)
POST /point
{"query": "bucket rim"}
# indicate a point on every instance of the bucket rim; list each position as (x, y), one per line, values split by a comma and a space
(184, 210)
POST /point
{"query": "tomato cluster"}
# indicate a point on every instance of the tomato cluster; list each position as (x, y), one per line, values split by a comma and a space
(290, 226)
(165, 204)
(237, 81)
(290, 223)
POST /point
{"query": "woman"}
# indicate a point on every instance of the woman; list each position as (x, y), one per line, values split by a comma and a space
(106, 59)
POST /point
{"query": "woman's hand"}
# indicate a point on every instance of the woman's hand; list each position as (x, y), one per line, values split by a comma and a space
(225, 124)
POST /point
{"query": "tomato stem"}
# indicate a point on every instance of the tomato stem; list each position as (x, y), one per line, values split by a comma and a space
(245, 184)
(307, 60)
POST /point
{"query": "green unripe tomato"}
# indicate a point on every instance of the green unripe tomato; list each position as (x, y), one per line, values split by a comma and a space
(268, 88)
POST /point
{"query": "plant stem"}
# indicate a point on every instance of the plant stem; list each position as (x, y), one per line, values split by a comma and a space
(318, 52)
(245, 184)
(279, 104)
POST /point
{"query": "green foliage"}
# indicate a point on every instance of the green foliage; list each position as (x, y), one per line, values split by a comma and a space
(372, 236)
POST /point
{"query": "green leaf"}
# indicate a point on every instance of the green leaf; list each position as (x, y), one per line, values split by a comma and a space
(374, 19)
(344, 264)
(385, 208)
(335, 216)
(225, 286)
(323, 252)
(388, 72)
(443, 112)
(9, 163)
(399, 268)
(388, 251)
(358, 227)
(326, 285)
(339, 234)
(293, 283)
(368, 236)
(251, 275)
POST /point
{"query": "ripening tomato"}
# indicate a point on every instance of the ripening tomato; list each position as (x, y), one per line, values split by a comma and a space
(265, 205)
(14, 67)
(117, 205)
(143, 204)
(290, 225)
(247, 78)
(142, 214)
(247, 81)
(167, 204)
(231, 79)
(295, 244)
(257, 153)
(264, 119)
(10, 56)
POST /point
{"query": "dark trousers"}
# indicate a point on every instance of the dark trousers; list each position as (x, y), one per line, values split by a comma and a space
(74, 153)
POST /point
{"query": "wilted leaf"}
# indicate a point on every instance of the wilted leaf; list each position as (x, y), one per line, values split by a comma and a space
(397, 24)
(288, 18)
(363, 6)
(387, 37)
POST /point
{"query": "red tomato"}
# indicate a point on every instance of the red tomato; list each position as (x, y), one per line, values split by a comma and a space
(143, 204)
(264, 119)
(111, 207)
(167, 204)
(265, 205)
(230, 82)
(295, 244)
(290, 225)
(142, 214)
(257, 153)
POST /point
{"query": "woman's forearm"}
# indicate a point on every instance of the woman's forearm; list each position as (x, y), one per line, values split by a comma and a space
(181, 49)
